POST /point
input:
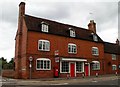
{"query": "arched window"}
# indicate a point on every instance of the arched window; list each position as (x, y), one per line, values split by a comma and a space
(43, 64)
(114, 67)
(72, 48)
(72, 32)
(44, 27)
(44, 45)
(95, 51)
(95, 65)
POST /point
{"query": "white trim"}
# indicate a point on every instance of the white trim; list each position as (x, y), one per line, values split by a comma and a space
(95, 62)
(61, 67)
(72, 44)
(46, 59)
(42, 45)
(82, 68)
(96, 48)
(89, 69)
(72, 59)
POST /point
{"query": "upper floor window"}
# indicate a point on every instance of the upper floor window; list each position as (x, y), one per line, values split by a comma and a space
(96, 65)
(95, 38)
(44, 27)
(95, 51)
(114, 67)
(43, 64)
(44, 45)
(72, 32)
(72, 48)
(113, 57)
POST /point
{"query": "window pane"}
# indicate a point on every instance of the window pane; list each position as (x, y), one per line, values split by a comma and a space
(41, 64)
(38, 63)
(96, 66)
(48, 64)
(79, 66)
(65, 66)
(40, 45)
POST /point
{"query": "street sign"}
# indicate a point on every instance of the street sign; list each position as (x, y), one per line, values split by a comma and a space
(30, 58)
(56, 52)
(57, 59)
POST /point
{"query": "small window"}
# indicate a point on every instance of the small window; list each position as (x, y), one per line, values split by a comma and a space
(43, 64)
(72, 32)
(113, 57)
(44, 27)
(114, 67)
(96, 66)
(44, 45)
(95, 38)
(79, 66)
(95, 51)
(65, 67)
(72, 48)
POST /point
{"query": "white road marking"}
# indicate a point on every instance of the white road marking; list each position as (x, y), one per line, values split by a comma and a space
(60, 84)
(94, 81)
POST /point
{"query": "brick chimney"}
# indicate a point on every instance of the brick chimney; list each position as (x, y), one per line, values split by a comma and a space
(18, 41)
(21, 15)
(92, 26)
(117, 42)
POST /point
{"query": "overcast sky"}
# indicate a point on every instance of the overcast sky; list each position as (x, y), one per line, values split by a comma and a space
(73, 12)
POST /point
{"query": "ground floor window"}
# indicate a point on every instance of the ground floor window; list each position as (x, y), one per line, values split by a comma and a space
(43, 64)
(65, 67)
(114, 67)
(96, 65)
(79, 66)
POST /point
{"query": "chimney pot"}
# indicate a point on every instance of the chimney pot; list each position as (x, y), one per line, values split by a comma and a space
(117, 42)
(92, 26)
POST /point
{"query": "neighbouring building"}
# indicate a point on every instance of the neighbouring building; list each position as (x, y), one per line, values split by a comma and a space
(46, 48)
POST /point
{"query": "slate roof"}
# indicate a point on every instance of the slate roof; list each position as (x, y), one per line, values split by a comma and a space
(56, 28)
(111, 48)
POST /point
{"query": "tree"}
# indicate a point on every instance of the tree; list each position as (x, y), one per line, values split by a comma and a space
(3, 61)
(11, 63)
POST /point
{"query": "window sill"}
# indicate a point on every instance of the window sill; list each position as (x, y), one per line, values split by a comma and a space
(95, 54)
(44, 50)
(43, 69)
(79, 72)
(72, 53)
(96, 69)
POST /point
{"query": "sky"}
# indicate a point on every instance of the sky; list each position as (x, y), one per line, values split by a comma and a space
(73, 12)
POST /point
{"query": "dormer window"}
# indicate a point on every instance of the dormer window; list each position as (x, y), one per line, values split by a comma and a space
(72, 32)
(95, 38)
(44, 27)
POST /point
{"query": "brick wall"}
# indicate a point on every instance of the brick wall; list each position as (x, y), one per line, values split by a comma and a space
(8, 73)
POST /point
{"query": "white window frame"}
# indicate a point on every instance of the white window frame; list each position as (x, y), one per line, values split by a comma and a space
(72, 33)
(72, 47)
(81, 67)
(96, 66)
(95, 38)
(114, 67)
(61, 67)
(44, 27)
(95, 51)
(45, 45)
(113, 56)
(43, 59)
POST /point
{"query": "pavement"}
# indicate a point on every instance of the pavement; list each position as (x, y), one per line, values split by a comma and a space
(56, 81)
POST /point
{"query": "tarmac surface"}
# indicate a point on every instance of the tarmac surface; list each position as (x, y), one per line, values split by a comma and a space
(55, 82)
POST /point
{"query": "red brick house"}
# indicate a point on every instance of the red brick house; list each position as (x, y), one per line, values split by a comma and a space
(112, 57)
(57, 49)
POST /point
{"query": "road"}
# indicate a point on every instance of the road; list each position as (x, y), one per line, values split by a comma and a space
(89, 82)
